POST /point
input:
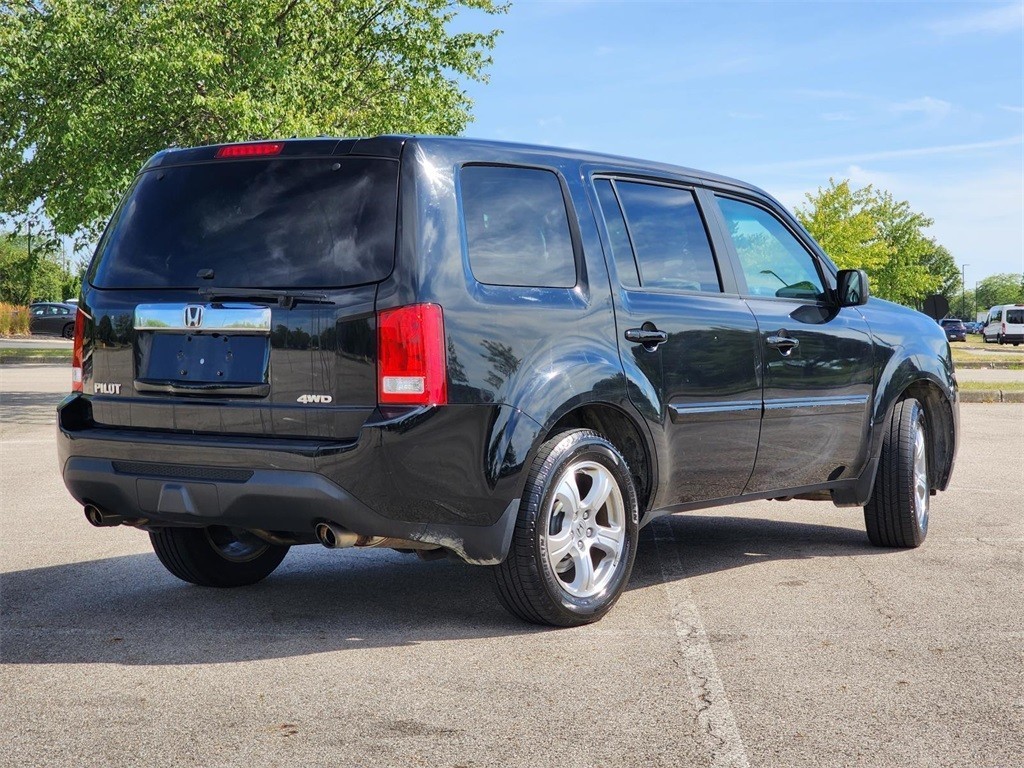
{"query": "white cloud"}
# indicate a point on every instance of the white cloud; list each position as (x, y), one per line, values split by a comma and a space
(926, 105)
(838, 117)
(1007, 18)
(890, 154)
(1015, 110)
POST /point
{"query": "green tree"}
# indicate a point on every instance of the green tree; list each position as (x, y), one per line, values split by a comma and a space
(90, 89)
(841, 220)
(869, 229)
(905, 278)
(1005, 288)
(39, 274)
(942, 265)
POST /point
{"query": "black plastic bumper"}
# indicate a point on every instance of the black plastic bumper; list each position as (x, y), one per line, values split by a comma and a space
(288, 486)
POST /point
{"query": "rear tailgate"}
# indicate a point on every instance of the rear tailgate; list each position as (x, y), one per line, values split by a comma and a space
(236, 297)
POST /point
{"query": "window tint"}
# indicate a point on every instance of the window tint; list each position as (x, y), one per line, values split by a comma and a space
(1015, 316)
(774, 262)
(286, 223)
(622, 251)
(672, 248)
(517, 229)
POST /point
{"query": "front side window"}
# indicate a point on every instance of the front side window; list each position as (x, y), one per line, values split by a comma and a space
(773, 261)
(669, 238)
(517, 228)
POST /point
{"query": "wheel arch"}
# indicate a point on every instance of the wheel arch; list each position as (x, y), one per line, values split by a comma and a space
(621, 429)
(938, 397)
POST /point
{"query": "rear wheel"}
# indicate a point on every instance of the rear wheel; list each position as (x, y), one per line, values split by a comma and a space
(575, 539)
(216, 556)
(68, 331)
(897, 514)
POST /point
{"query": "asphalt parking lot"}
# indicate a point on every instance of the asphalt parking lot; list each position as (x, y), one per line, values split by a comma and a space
(763, 634)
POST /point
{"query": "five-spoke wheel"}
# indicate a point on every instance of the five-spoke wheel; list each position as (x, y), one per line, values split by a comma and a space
(575, 538)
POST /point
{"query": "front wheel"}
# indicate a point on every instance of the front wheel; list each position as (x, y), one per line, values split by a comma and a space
(897, 514)
(216, 556)
(575, 538)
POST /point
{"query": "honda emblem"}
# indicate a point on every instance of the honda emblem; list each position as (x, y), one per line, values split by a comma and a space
(193, 316)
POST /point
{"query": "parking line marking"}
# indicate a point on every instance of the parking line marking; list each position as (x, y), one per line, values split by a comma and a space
(714, 715)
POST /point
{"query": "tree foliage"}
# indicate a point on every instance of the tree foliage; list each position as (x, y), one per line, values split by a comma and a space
(869, 229)
(1005, 288)
(34, 274)
(90, 89)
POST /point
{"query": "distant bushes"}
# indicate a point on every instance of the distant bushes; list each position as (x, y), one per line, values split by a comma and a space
(13, 319)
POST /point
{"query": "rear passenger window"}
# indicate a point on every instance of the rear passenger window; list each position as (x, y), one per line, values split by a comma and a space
(669, 239)
(622, 251)
(517, 229)
(1014, 316)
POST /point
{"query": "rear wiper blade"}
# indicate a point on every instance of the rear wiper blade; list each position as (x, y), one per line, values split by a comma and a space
(286, 299)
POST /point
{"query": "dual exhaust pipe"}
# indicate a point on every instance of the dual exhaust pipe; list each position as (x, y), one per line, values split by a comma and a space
(330, 535)
(335, 537)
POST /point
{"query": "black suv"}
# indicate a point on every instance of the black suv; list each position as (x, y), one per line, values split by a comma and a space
(516, 355)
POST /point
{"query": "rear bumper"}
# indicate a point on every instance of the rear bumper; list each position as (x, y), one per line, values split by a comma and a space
(369, 486)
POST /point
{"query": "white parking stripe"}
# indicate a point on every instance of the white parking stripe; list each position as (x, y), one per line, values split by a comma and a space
(713, 713)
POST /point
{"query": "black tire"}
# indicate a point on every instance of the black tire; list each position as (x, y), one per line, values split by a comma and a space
(216, 556)
(526, 583)
(68, 332)
(999, 339)
(897, 514)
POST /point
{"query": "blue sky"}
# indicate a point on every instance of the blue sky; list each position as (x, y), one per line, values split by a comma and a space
(924, 99)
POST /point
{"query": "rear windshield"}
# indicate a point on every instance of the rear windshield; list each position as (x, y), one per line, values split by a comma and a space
(953, 323)
(286, 223)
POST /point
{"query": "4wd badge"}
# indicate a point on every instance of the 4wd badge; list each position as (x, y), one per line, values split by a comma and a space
(307, 399)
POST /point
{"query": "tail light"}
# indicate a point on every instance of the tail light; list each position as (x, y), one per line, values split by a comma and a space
(411, 356)
(76, 354)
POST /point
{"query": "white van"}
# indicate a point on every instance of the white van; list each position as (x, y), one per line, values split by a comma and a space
(1005, 324)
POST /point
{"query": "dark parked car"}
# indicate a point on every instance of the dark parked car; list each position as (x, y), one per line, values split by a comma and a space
(515, 355)
(972, 327)
(52, 319)
(954, 328)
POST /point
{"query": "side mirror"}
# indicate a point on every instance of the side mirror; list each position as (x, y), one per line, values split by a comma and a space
(852, 287)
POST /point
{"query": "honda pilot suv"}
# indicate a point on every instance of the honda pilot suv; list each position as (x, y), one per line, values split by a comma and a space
(514, 355)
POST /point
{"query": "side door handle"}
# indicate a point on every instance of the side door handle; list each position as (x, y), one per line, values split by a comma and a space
(785, 344)
(649, 336)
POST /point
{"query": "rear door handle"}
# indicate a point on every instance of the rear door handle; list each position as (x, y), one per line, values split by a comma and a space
(785, 344)
(649, 337)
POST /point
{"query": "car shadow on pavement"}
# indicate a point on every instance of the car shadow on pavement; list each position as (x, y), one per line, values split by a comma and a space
(129, 610)
(684, 546)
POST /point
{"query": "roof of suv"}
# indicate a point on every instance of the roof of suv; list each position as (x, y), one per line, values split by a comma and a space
(393, 145)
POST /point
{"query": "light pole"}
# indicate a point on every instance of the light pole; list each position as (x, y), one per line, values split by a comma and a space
(963, 288)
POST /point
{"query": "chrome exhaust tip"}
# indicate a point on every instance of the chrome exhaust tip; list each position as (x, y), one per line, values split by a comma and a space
(334, 537)
(100, 519)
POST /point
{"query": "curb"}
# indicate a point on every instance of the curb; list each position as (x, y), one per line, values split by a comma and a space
(994, 365)
(991, 396)
(33, 360)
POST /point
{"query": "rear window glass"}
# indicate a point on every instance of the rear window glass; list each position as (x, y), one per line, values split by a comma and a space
(517, 229)
(287, 223)
(1015, 316)
(672, 247)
